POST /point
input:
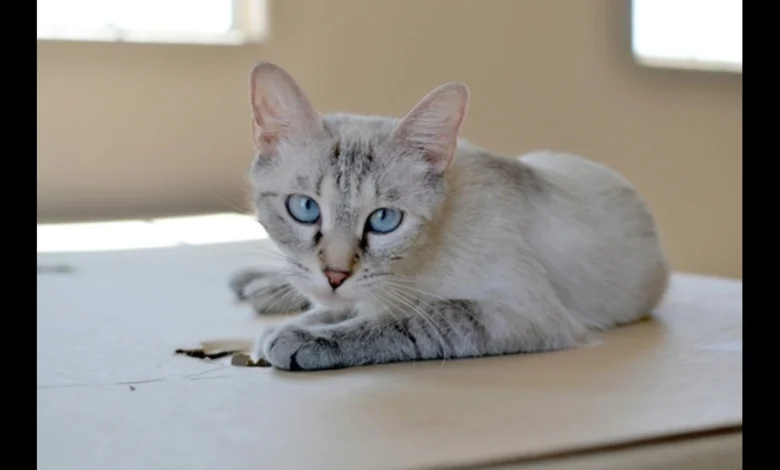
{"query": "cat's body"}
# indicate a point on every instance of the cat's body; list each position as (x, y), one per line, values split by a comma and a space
(492, 254)
(584, 225)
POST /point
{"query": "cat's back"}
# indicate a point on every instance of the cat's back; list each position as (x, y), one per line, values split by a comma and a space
(596, 237)
(580, 187)
(565, 168)
(584, 194)
(587, 225)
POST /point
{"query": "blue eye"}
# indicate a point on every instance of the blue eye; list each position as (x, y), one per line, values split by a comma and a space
(385, 220)
(303, 209)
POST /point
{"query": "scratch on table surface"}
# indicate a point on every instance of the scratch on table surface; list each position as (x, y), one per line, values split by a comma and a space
(195, 376)
(54, 269)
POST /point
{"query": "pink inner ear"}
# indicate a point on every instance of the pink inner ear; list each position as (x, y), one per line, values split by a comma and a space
(436, 141)
(264, 140)
(268, 139)
(263, 110)
(275, 120)
(440, 158)
(433, 125)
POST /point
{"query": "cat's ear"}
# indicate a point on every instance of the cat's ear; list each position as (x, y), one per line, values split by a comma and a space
(280, 109)
(433, 125)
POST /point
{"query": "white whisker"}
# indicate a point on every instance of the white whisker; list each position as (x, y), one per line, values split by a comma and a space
(422, 315)
(438, 297)
(448, 321)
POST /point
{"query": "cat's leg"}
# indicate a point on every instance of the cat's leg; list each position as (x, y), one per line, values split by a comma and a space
(267, 291)
(441, 330)
(310, 318)
(527, 317)
(424, 331)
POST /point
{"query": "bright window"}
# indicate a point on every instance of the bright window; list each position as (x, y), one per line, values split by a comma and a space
(691, 34)
(172, 21)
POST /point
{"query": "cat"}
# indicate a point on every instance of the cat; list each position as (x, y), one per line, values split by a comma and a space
(403, 242)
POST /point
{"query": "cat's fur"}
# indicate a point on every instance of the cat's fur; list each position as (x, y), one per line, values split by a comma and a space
(495, 255)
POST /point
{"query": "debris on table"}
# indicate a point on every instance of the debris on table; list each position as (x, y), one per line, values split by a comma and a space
(236, 349)
(244, 360)
(199, 353)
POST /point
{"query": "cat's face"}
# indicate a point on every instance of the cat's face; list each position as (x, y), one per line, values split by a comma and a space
(348, 202)
(348, 198)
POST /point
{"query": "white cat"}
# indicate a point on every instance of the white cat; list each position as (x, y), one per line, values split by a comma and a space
(405, 243)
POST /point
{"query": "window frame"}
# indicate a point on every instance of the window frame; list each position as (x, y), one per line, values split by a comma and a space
(249, 25)
(658, 58)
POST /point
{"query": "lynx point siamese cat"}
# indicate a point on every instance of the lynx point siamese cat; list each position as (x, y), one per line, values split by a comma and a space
(403, 243)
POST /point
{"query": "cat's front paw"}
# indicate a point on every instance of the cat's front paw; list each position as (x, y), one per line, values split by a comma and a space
(243, 282)
(295, 347)
(267, 292)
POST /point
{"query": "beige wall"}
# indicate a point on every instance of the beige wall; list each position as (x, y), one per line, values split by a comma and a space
(126, 130)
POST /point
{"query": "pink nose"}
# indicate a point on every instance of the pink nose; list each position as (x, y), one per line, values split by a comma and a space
(336, 278)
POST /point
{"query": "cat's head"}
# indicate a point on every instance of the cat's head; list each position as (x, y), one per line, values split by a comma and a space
(347, 198)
